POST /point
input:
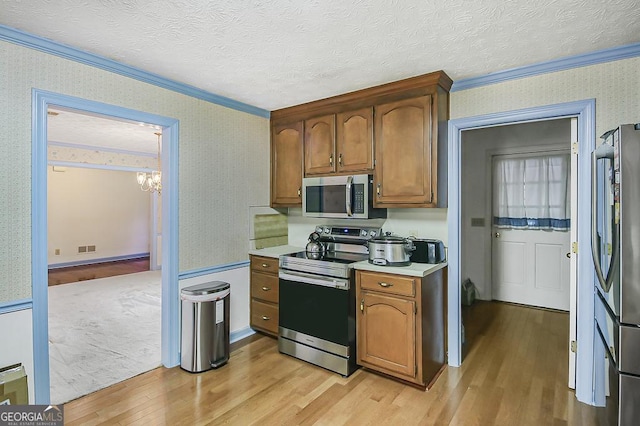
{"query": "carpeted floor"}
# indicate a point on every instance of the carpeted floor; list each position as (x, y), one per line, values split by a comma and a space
(102, 332)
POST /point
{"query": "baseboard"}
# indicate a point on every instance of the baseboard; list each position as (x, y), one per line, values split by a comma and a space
(241, 334)
(98, 260)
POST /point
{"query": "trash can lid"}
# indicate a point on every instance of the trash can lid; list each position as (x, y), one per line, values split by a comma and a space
(206, 288)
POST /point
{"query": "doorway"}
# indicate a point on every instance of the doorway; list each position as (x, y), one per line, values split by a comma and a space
(584, 111)
(170, 324)
(530, 226)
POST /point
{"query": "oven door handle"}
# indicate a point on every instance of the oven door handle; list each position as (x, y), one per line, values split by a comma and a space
(305, 278)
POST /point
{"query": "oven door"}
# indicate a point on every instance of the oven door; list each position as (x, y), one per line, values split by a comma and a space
(317, 306)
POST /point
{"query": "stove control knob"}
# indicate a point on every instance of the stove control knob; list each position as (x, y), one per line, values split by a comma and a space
(372, 234)
(363, 232)
(319, 229)
(326, 230)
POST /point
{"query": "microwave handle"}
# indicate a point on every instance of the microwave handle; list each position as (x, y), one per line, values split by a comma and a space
(348, 195)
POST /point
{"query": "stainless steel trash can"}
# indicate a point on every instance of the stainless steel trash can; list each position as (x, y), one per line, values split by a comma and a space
(205, 326)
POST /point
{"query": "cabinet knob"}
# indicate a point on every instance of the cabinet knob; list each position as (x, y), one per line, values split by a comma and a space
(265, 318)
(378, 189)
(362, 306)
(385, 285)
(266, 288)
(265, 265)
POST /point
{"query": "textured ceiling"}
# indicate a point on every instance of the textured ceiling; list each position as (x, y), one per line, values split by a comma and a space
(278, 53)
(79, 128)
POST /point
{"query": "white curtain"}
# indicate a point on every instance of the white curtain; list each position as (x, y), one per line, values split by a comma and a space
(532, 192)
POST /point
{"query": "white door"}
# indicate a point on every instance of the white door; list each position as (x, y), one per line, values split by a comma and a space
(530, 266)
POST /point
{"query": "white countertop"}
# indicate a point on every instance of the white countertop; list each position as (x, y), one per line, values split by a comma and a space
(275, 251)
(414, 269)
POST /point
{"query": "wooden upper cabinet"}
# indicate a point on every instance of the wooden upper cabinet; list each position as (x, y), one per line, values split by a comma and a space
(286, 164)
(354, 140)
(319, 145)
(406, 163)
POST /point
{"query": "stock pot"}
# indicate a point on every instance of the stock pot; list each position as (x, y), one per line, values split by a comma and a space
(390, 250)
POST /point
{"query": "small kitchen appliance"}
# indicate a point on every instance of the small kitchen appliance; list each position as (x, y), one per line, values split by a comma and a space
(342, 197)
(389, 250)
(428, 251)
(317, 299)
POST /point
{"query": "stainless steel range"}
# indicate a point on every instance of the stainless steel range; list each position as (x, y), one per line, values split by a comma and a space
(317, 298)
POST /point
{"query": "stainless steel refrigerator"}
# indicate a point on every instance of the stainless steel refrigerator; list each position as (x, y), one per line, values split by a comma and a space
(615, 248)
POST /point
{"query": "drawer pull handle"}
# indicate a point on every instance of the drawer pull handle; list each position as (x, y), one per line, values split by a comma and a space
(265, 265)
(385, 285)
(266, 288)
(265, 318)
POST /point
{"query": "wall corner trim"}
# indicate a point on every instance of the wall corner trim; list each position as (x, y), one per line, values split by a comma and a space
(561, 64)
(15, 305)
(212, 270)
(45, 45)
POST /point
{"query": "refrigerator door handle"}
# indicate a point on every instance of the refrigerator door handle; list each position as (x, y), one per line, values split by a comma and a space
(604, 151)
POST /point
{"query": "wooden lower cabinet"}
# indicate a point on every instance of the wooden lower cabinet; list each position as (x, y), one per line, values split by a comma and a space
(264, 294)
(400, 326)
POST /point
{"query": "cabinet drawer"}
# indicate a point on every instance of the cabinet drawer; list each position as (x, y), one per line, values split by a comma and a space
(264, 264)
(264, 316)
(387, 283)
(265, 287)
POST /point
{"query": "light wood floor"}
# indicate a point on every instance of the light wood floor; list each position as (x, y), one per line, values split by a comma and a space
(74, 274)
(515, 373)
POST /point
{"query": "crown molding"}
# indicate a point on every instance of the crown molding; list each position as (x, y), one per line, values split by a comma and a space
(586, 59)
(45, 45)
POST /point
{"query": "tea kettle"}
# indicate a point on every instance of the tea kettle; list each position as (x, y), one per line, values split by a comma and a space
(315, 246)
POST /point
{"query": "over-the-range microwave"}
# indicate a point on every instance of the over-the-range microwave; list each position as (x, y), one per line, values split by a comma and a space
(343, 197)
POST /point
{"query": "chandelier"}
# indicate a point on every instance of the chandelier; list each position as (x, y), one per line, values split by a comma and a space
(152, 182)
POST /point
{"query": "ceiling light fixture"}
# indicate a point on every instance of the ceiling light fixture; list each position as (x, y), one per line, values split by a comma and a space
(152, 182)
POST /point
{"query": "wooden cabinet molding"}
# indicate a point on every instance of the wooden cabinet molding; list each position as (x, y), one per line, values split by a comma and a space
(407, 88)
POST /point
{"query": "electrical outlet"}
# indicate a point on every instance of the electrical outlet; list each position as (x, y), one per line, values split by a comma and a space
(82, 249)
(91, 248)
(57, 252)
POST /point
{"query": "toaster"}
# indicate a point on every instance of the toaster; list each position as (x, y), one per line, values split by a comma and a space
(428, 251)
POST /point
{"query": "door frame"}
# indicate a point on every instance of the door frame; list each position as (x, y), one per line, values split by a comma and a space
(585, 112)
(170, 333)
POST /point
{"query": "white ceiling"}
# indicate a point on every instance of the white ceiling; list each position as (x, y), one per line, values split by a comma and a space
(277, 53)
(79, 128)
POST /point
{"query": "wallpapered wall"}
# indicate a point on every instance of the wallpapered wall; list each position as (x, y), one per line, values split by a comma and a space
(223, 160)
(614, 85)
(93, 156)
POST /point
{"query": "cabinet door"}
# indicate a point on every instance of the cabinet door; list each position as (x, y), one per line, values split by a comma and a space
(387, 333)
(354, 140)
(286, 165)
(405, 154)
(319, 145)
